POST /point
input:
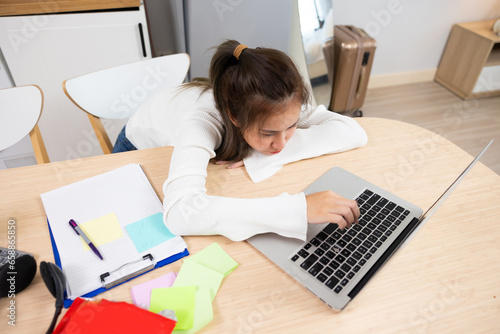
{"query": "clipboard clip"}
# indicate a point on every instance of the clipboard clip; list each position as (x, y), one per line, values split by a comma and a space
(127, 271)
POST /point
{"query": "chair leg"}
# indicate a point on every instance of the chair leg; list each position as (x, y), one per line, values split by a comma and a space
(101, 134)
(39, 146)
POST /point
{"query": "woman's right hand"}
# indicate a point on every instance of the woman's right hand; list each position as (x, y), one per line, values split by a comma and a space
(329, 207)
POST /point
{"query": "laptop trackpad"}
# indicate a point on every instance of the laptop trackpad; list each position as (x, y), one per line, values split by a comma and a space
(279, 248)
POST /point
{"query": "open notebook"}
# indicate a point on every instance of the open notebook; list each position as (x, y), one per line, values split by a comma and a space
(123, 217)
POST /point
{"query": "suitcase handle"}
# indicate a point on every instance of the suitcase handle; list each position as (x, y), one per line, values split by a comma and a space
(361, 80)
(357, 30)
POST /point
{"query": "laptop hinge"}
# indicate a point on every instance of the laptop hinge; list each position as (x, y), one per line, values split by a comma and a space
(387, 254)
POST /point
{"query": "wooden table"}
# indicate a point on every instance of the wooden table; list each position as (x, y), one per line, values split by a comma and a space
(446, 279)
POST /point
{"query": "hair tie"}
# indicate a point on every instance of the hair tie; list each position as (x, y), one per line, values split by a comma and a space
(238, 50)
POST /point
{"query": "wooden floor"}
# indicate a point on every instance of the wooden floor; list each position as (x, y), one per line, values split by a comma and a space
(469, 124)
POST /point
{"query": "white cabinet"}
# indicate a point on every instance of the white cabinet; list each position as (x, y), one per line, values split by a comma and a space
(47, 49)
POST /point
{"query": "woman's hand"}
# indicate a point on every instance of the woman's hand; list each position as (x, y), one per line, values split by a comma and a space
(329, 207)
(231, 164)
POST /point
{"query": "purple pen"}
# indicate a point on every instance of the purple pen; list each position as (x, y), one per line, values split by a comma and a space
(79, 231)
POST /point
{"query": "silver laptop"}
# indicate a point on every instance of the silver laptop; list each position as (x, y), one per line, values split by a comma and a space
(336, 264)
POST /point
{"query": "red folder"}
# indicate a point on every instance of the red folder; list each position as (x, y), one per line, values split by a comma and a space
(109, 317)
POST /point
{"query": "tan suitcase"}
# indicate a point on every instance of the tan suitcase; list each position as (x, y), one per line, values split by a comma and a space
(353, 52)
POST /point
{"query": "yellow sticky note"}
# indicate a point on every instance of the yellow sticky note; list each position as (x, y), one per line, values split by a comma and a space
(192, 273)
(102, 230)
(179, 299)
(215, 258)
(203, 312)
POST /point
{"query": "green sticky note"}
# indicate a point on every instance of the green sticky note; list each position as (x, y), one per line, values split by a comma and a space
(102, 230)
(203, 312)
(149, 232)
(215, 258)
(179, 299)
(192, 273)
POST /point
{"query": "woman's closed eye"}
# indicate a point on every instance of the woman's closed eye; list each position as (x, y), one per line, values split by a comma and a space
(272, 133)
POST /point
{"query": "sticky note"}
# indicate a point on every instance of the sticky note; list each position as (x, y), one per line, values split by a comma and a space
(148, 232)
(192, 273)
(102, 230)
(203, 312)
(215, 258)
(141, 293)
(179, 299)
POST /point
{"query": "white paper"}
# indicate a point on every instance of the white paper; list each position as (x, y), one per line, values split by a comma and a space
(125, 191)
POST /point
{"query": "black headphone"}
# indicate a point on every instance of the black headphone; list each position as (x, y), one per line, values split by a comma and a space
(54, 279)
(52, 276)
(24, 272)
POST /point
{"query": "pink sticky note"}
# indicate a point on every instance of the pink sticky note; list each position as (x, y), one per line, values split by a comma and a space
(141, 293)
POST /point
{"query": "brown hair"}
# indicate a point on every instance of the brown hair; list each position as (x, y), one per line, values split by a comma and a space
(261, 83)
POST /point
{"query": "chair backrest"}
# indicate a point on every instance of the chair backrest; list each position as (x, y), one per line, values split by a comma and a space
(118, 92)
(20, 110)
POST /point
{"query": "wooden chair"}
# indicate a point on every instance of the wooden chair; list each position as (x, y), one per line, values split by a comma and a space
(20, 111)
(118, 92)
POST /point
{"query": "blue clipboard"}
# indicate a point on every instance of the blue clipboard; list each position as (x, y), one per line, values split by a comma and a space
(161, 263)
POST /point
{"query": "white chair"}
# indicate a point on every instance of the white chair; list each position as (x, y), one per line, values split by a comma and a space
(20, 110)
(117, 92)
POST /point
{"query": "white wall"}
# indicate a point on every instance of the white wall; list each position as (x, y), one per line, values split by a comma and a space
(410, 34)
(251, 22)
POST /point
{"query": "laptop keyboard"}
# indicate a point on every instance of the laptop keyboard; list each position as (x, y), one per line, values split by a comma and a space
(334, 256)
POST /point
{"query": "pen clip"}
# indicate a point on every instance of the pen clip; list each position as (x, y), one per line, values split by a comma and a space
(73, 224)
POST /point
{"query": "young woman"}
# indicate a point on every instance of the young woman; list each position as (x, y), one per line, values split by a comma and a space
(253, 111)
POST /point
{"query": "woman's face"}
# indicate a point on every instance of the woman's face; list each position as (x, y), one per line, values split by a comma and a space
(272, 136)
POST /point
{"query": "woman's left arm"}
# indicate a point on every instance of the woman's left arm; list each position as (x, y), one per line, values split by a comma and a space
(319, 132)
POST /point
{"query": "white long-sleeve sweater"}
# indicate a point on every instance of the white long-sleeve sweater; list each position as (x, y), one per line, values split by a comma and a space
(189, 121)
